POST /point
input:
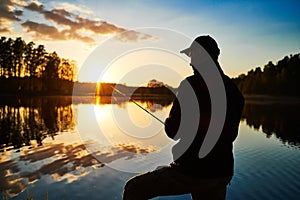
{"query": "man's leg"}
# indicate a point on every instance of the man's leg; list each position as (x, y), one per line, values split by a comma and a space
(168, 181)
(216, 190)
(161, 182)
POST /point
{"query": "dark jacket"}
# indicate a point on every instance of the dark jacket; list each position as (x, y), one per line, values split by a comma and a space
(219, 162)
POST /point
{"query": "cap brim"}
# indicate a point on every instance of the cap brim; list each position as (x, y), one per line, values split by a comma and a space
(186, 51)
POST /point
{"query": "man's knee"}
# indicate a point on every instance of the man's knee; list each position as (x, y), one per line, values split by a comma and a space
(129, 186)
(132, 189)
(143, 186)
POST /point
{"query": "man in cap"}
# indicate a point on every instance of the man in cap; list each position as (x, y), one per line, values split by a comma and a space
(203, 175)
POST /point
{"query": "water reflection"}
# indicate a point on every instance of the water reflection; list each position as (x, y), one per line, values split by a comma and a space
(58, 161)
(27, 119)
(23, 120)
(281, 120)
(31, 124)
(152, 103)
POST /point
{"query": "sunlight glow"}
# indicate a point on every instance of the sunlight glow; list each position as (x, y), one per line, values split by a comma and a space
(140, 66)
(101, 112)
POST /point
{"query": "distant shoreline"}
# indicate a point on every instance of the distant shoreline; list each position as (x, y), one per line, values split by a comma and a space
(249, 99)
(271, 99)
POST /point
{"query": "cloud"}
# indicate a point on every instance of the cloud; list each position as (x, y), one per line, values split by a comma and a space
(40, 28)
(74, 24)
(66, 23)
(73, 8)
(99, 27)
(8, 12)
(133, 36)
(51, 32)
(34, 7)
(4, 30)
(62, 12)
(8, 15)
(18, 12)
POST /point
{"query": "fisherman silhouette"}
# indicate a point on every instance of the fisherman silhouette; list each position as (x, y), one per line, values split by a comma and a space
(188, 123)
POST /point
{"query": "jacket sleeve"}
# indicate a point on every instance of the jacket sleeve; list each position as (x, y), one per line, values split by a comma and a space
(173, 121)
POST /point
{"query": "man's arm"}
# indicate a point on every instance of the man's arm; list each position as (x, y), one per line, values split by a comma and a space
(173, 121)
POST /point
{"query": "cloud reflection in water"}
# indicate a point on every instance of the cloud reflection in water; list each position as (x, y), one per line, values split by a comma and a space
(60, 161)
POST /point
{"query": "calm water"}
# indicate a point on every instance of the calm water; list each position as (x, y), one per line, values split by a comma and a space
(83, 148)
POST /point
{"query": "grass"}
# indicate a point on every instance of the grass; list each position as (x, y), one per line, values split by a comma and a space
(5, 195)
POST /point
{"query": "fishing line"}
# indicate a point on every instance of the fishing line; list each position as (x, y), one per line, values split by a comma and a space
(121, 93)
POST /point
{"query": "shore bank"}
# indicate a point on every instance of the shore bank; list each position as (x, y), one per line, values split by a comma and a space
(269, 99)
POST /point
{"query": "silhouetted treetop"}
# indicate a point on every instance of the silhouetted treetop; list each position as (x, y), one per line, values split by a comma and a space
(21, 59)
(27, 68)
(282, 78)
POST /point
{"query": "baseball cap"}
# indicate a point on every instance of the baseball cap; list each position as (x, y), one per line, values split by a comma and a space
(208, 43)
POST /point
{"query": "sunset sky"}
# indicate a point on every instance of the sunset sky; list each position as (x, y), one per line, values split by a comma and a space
(249, 33)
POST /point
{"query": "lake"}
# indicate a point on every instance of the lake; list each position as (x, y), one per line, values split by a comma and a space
(87, 147)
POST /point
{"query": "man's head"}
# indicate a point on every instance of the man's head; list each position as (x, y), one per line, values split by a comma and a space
(208, 43)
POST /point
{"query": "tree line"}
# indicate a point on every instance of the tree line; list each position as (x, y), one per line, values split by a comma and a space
(27, 68)
(282, 78)
(20, 60)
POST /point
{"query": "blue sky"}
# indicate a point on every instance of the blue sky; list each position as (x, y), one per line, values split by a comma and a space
(249, 33)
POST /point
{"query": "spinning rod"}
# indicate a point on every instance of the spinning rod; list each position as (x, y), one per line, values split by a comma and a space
(121, 93)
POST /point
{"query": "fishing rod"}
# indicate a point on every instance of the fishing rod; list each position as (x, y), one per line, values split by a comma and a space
(121, 93)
